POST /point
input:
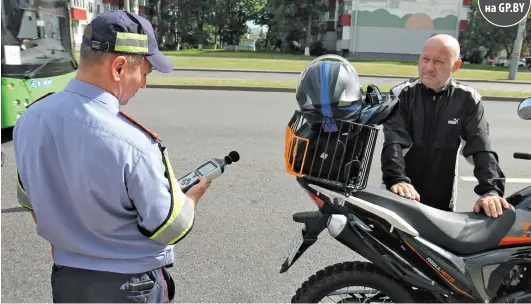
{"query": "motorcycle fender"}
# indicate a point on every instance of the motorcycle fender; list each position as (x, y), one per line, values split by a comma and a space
(314, 223)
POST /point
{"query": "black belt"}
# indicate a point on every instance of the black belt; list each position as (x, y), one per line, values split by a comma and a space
(56, 267)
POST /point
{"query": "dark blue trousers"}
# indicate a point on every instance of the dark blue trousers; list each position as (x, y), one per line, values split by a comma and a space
(74, 285)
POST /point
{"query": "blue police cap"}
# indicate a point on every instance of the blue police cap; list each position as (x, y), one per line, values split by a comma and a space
(127, 33)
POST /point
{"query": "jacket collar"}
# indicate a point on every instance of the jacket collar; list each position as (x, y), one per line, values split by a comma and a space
(95, 93)
(432, 92)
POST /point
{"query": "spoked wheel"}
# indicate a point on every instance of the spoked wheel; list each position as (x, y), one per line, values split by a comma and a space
(351, 282)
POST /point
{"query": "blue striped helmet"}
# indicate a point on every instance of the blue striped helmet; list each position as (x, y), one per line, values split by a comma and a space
(330, 86)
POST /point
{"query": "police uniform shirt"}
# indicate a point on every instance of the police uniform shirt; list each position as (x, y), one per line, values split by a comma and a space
(98, 183)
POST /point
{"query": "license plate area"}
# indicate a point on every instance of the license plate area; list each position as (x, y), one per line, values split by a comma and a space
(314, 223)
(295, 247)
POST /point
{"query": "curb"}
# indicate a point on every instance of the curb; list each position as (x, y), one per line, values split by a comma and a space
(360, 75)
(275, 90)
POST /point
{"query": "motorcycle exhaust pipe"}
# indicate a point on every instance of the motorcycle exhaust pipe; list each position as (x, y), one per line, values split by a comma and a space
(339, 229)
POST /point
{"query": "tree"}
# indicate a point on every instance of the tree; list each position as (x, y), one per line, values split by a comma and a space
(481, 33)
(263, 16)
(199, 10)
(292, 20)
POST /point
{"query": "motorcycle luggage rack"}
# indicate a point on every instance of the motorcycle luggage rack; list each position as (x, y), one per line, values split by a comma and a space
(329, 151)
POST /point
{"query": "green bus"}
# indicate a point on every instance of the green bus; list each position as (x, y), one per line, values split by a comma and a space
(37, 53)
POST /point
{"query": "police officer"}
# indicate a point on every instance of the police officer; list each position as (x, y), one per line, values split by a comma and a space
(100, 186)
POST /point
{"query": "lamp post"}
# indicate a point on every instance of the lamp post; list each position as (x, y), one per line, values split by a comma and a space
(517, 49)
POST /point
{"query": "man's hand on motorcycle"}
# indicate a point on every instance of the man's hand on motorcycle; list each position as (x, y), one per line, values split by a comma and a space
(196, 191)
(492, 205)
(406, 190)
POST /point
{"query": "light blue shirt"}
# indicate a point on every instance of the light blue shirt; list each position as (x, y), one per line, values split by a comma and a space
(92, 177)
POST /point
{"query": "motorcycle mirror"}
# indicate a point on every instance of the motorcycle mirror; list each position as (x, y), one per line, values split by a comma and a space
(524, 109)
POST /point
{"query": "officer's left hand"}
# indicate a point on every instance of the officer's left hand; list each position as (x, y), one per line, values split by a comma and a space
(491, 204)
(196, 191)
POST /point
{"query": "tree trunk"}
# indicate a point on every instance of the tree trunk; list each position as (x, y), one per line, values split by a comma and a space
(487, 55)
(221, 37)
(215, 37)
(200, 29)
(308, 34)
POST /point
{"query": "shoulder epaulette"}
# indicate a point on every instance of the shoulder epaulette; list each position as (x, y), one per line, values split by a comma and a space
(148, 131)
(40, 98)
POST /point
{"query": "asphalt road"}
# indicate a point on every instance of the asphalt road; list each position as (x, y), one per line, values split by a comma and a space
(364, 79)
(244, 223)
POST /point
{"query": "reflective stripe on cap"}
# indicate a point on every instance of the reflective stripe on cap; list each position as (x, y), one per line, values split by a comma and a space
(22, 196)
(131, 43)
(180, 217)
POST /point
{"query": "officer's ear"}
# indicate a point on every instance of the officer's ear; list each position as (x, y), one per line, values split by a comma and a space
(118, 67)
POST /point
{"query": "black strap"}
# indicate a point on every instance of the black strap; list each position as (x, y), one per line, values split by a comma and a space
(97, 45)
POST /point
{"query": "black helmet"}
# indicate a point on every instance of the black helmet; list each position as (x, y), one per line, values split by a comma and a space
(330, 86)
(377, 106)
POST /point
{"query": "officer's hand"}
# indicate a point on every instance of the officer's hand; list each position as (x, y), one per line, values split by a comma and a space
(196, 191)
(406, 190)
(491, 204)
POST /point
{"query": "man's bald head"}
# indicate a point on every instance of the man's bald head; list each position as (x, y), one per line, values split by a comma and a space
(447, 43)
(439, 60)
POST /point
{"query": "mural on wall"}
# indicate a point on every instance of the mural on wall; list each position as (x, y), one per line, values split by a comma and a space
(408, 14)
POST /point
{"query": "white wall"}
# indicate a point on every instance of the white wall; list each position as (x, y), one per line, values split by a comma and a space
(391, 40)
(400, 27)
(330, 39)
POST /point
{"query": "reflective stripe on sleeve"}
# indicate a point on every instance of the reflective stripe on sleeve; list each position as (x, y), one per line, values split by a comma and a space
(181, 214)
(22, 196)
(178, 225)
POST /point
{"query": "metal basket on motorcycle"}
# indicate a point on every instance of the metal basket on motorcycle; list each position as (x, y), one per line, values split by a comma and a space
(331, 139)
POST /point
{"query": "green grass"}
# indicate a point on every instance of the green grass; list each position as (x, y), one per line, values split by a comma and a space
(367, 68)
(219, 59)
(284, 56)
(239, 54)
(161, 80)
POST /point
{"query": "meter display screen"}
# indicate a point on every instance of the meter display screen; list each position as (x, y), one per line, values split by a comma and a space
(204, 170)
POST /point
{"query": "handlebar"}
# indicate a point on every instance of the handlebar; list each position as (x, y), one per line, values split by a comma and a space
(521, 155)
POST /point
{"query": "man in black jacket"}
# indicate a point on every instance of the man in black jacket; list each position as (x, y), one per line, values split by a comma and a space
(437, 116)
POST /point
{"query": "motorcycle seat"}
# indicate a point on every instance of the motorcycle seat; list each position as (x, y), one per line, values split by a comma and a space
(462, 233)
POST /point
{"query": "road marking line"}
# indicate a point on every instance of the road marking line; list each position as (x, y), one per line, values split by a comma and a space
(507, 180)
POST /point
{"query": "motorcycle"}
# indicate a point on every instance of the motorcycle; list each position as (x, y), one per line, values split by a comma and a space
(414, 253)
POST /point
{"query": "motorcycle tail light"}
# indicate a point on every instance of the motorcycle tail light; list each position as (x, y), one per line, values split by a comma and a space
(319, 202)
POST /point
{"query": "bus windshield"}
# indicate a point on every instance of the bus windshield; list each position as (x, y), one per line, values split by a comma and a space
(40, 28)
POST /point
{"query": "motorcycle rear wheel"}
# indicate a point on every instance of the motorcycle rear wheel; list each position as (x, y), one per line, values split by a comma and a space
(341, 275)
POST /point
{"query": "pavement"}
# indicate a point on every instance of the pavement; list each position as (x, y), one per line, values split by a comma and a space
(244, 222)
(366, 79)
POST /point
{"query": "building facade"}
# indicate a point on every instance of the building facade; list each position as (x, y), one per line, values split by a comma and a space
(83, 11)
(389, 29)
